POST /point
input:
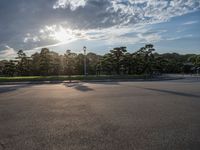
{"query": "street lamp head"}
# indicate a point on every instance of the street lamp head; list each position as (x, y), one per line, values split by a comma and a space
(84, 48)
(68, 51)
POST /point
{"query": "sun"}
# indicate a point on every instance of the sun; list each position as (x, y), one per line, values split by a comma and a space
(64, 35)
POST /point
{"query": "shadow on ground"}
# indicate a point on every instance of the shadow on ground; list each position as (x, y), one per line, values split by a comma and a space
(105, 83)
(171, 92)
(79, 86)
(11, 88)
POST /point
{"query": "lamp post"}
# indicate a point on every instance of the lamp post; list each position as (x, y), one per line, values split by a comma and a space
(85, 58)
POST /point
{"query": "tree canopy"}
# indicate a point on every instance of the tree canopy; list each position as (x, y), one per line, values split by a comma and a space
(116, 62)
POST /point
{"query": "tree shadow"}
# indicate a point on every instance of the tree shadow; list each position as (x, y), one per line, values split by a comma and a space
(172, 92)
(191, 80)
(79, 87)
(11, 88)
(105, 82)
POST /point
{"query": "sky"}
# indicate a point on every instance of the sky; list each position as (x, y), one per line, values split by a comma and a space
(100, 25)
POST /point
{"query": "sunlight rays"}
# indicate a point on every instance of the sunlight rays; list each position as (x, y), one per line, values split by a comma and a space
(63, 35)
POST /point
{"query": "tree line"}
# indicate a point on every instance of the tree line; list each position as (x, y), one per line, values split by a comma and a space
(117, 62)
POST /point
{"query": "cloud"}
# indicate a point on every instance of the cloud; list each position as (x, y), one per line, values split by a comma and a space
(31, 24)
(30, 38)
(190, 22)
(72, 4)
(179, 37)
(7, 52)
(109, 35)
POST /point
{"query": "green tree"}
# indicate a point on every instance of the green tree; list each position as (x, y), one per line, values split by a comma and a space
(9, 68)
(117, 61)
(45, 62)
(195, 59)
(92, 61)
(127, 62)
(55, 64)
(70, 60)
(146, 58)
(35, 64)
(23, 64)
(107, 63)
(118, 56)
(79, 65)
